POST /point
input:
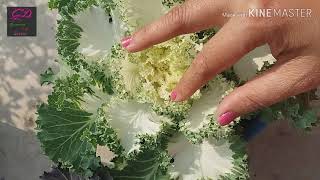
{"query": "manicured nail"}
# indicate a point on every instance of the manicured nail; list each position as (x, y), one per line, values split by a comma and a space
(227, 118)
(173, 95)
(125, 42)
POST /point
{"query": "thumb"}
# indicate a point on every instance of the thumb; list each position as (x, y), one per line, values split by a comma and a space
(278, 83)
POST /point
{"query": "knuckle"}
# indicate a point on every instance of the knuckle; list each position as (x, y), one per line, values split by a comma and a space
(201, 67)
(254, 25)
(256, 34)
(144, 31)
(142, 34)
(253, 102)
(177, 18)
(248, 101)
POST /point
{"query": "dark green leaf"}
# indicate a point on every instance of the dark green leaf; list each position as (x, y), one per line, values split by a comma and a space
(47, 77)
(61, 136)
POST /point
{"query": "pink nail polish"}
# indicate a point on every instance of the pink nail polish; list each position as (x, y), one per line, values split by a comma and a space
(173, 95)
(125, 42)
(227, 118)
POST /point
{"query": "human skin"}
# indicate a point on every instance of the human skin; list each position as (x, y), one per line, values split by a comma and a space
(294, 42)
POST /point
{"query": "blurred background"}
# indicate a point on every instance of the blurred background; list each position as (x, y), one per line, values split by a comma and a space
(279, 152)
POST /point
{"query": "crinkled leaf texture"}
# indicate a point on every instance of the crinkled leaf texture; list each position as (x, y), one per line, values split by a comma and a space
(96, 42)
(66, 124)
(147, 165)
(78, 33)
(201, 120)
(136, 13)
(76, 120)
(129, 119)
(143, 134)
(82, 45)
(209, 159)
(70, 6)
(295, 110)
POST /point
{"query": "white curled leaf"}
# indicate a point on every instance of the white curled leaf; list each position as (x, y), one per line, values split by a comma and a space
(209, 159)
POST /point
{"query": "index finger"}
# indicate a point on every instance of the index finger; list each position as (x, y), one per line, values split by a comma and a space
(233, 41)
(192, 16)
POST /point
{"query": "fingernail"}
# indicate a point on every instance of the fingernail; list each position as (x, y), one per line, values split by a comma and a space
(227, 118)
(173, 95)
(125, 42)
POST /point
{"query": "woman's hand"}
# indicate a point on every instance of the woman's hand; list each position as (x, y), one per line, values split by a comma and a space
(294, 42)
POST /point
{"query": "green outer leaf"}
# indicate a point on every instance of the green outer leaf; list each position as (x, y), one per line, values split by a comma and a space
(47, 77)
(71, 6)
(307, 120)
(240, 171)
(70, 89)
(105, 135)
(145, 166)
(211, 128)
(150, 162)
(67, 37)
(296, 109)
(61, 136)
(68, 133)
(292, 109)
(157, 142)
(74, 6)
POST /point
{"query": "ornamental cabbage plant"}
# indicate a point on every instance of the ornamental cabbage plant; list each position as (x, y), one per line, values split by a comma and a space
(110, 111)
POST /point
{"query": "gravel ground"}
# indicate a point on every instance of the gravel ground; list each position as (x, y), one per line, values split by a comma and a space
(21, 60)
(278, 153)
